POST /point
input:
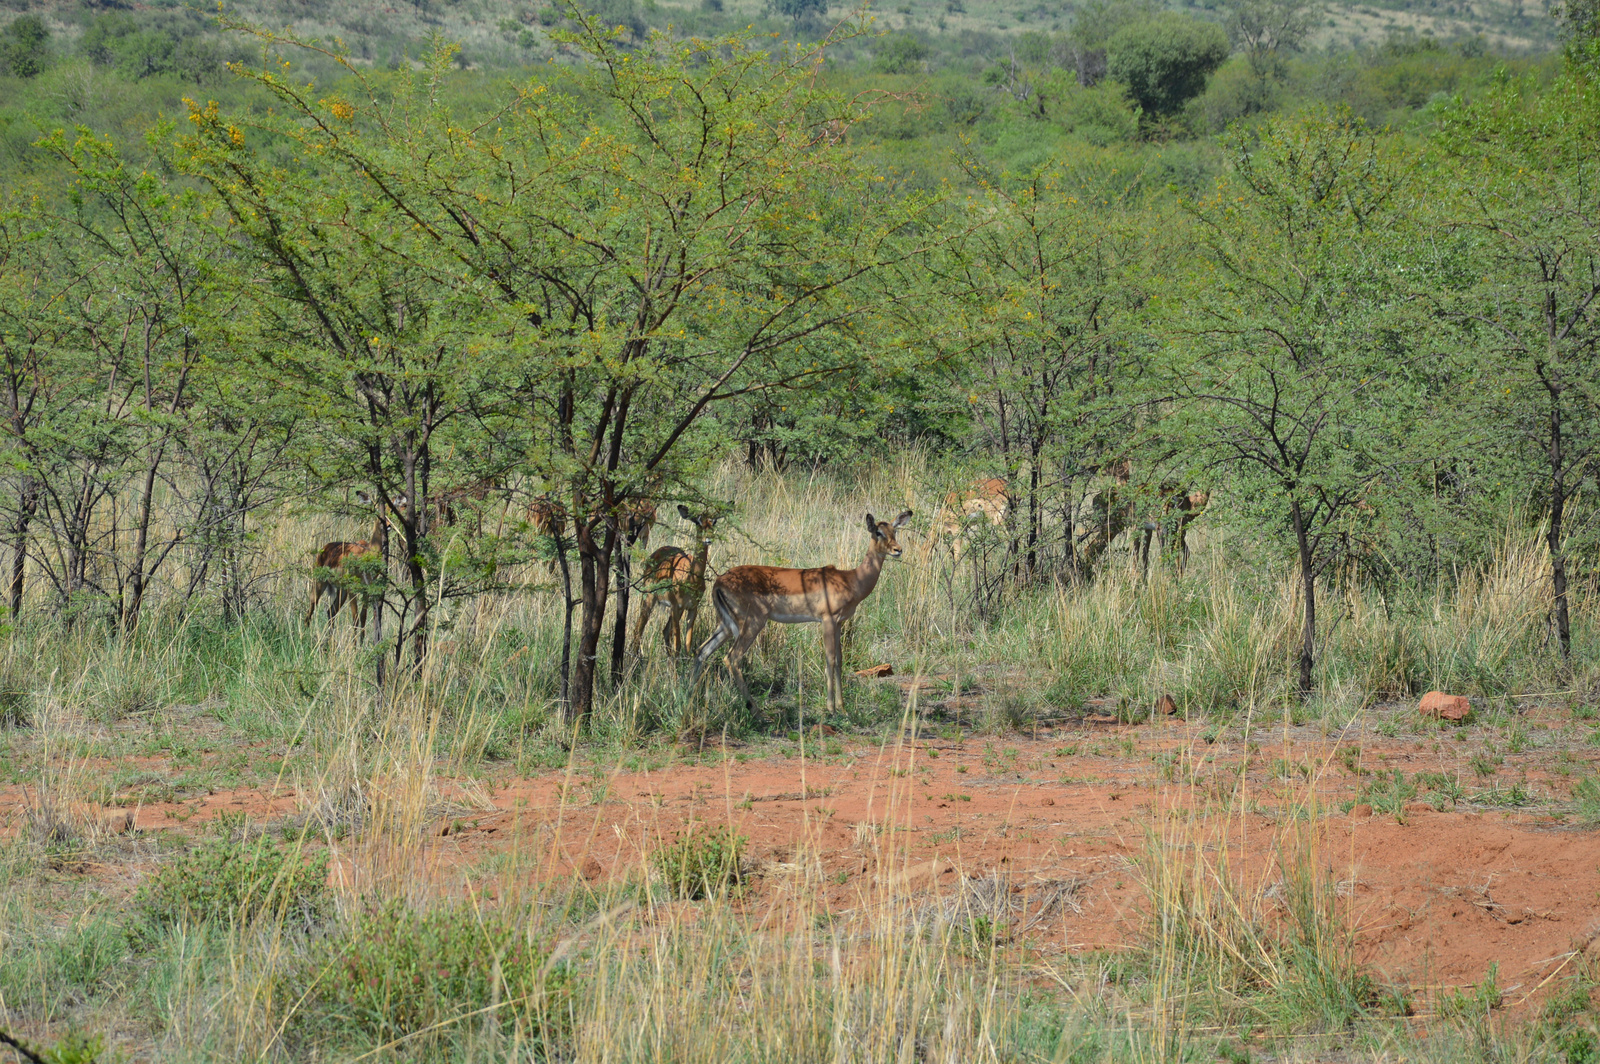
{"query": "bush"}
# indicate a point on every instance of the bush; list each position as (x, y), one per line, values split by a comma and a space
(24, 47)
(235, 880)
(901, 53)
(1165, 60)
(399, 972)
(701, 866)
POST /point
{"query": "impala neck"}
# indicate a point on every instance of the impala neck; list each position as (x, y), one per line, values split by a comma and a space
(697, 565)
(868, 571)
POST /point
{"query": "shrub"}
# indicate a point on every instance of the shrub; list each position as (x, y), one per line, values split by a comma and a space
(225, 879)
(901, 53)
(399, 972)
(24, 47)
(701, 866)
(1164, 60)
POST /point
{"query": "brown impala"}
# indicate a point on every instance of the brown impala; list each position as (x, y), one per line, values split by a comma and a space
(748, 597)
(675, 578)
(333, 556)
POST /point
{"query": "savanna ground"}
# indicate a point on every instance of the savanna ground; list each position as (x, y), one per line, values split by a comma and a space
(218, 842)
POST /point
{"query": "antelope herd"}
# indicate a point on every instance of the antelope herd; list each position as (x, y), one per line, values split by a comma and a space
(746, 598)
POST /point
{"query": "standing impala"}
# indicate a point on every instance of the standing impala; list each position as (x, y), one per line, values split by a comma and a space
(675, 578)
(333, 557)
(749, 596)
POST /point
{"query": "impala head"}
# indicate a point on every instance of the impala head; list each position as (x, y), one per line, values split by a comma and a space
(883, 533)
(705, 524)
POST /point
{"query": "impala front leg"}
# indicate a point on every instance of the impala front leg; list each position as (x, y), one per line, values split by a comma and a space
(833, 664)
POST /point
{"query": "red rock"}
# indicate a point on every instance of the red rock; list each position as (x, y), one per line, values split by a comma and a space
(1444, 707)
(877, 672)
(590, 869)
(1166, 705)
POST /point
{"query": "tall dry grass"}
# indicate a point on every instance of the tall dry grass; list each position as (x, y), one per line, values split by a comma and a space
(1236, 937)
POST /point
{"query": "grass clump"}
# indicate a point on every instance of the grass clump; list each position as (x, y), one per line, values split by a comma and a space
(704, 865)
(73, 1048)
(431, 976)
(232, 879)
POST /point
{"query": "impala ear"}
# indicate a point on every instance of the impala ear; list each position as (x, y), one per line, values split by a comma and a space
(683, 512)
(900, 522)
(872, 527)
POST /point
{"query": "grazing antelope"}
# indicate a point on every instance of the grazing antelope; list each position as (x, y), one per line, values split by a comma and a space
(748, 597)
(982, 500)
(333, 557)
(675, 578)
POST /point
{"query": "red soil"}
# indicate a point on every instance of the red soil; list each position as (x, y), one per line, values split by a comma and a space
(1435, 899)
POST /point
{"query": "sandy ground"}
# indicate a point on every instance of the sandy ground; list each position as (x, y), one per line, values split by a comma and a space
(1063, 816)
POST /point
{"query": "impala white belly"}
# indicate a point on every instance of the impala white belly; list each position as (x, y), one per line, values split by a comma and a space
(783, 617)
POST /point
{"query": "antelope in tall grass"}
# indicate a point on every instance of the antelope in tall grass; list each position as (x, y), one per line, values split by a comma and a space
(982, 500)
(749, 597)
(331, 575)
(549, 520)
(674, 577)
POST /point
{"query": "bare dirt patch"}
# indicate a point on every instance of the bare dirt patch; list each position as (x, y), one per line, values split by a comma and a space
(1062, 819)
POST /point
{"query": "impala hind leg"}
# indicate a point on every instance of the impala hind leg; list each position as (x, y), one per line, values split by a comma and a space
(727, 628)
(741, 647)
(686, 637)
(671, 633)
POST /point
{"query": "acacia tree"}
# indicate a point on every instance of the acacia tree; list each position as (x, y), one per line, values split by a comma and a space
(36, 331)
(381, 345)
(1532, 313)
(144, 249)
(1054, 285)
(1300, 343)
(613, 271)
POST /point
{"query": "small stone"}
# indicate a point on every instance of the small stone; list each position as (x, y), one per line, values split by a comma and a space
(1048, 801)
(1361, 812)
(590, 869)
(1166, 705)
(1441, 706)
(877, 672)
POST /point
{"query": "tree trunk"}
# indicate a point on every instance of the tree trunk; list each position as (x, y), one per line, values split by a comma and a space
(1558, 507)
(1033, 513)
(568, 602)
(377, 602)
(27, 506)
(1308, 581)
(137, 577)
(594, 571)
(619, 630)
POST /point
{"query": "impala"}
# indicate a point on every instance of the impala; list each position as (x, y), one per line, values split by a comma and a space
(332, 559)
(549, 520)
(748, 597)
(983, 500)
(673, 577)
(1179, 508)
